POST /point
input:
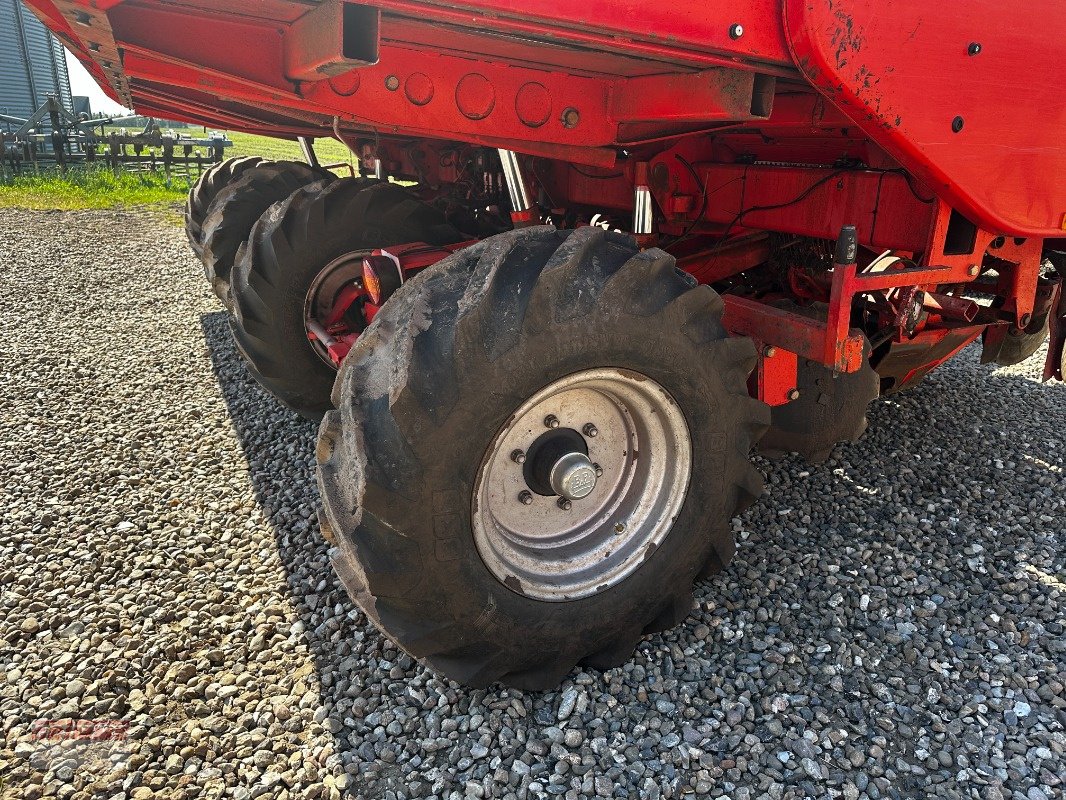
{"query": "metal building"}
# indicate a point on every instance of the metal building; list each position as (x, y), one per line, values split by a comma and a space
(33, 63)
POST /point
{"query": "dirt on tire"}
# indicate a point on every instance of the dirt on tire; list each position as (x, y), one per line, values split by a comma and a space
(442, 367)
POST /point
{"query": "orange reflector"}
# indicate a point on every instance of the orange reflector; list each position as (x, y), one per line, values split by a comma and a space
(371, 282)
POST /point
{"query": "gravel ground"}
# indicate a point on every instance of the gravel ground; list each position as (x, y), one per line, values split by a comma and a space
(892, 625)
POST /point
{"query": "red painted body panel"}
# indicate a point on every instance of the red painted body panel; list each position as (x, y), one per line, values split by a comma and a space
(899, 70)
(935, 129)
(910, 72)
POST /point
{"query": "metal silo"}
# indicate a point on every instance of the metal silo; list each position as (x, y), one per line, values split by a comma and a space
(32, 63)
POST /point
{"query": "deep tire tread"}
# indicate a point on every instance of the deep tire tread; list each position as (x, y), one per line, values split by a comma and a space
(289, 244)
(211, 181)
(237, 207)
(483, 300)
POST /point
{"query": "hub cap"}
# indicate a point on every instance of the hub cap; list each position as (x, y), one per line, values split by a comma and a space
(573, 476)
(582, 484)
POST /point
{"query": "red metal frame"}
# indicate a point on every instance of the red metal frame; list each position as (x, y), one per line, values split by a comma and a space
(774, 379)
(573, 80)
(931, 87)
(934, 133)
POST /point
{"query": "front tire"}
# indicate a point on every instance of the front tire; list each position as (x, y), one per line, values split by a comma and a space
(426, 402)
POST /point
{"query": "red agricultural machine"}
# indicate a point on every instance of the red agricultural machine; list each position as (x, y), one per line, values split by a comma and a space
(598, 251)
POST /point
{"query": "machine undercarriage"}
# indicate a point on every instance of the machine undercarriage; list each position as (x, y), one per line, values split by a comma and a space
(595, 255)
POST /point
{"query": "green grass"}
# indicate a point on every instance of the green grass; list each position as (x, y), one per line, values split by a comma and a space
(97, 187)
(88, 187)
(329, 151)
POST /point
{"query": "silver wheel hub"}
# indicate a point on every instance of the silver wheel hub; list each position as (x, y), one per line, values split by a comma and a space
(573, 476)
(582, 484)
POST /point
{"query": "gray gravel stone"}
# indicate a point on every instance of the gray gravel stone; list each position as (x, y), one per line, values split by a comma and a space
(892, 624)
(567, 703)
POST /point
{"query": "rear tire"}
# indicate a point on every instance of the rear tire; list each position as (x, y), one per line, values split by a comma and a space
(238, 206)
(211, 181)
(831, 408)
(431, 386)
(287, 248)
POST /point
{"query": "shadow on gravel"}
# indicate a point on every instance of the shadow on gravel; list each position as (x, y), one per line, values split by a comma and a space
(888, 628)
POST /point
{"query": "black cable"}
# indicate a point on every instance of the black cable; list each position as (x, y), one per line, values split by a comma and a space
(703, 206)
(910, 185)
(740, 215)
(580, 171)
(703, 201)
(540, 182)
(798, 198)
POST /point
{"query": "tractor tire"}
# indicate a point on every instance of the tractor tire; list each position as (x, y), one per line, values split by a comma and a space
(287, 248)
(211, 181)
(830, 409)
(427, 402)
(236, 208)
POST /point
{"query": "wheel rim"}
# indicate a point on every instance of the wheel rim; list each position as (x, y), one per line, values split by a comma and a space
(539, 526)
(322, 294)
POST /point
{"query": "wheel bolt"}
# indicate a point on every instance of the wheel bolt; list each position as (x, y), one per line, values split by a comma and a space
(525, 498)
(599, 470)
(518, 457)
(565, 504)
(590, 431)
(551, 421)
(793, 394)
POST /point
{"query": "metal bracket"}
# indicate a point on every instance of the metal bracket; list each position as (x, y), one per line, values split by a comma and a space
(330, 40)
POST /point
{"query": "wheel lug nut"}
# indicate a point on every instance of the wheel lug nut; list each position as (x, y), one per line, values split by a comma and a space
(599, 470)
(565, 504)
(525, 498)
(590, 431)
(518, 457)
(551, 421)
